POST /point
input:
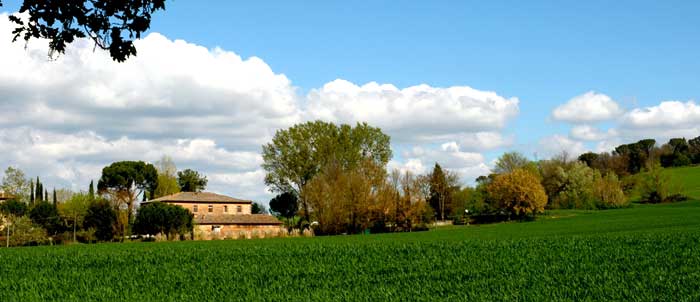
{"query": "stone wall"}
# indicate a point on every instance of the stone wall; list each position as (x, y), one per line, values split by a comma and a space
(217, 208)
(208, 232)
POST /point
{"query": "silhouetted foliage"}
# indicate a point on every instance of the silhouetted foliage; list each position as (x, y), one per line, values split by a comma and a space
(285, 204)
(111, 24)
(13, 207)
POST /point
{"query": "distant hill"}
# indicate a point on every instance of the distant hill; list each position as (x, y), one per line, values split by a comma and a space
(686, 179)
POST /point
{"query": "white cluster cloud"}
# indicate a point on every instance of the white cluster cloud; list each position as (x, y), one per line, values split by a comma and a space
(421, 160)
(211, 110)
(589, 133)
(588, 107)
(417, 113)
(666, 120)
(556, 144)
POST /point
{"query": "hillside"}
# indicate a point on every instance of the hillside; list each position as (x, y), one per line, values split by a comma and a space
(643, 253)
(684, 179)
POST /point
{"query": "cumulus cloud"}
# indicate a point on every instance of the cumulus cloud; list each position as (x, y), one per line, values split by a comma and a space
(586, 108)
(556, 144)
(421, 160)
(589, 133)
(211, 110)
(666, 115)
(418, 113)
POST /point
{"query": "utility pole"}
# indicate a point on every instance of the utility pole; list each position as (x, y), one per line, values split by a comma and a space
(7, 238)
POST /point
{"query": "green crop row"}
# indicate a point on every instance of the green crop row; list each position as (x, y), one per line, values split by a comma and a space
(646, 253)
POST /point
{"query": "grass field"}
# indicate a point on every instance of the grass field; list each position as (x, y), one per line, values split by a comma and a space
(644, 253)
(684, 179)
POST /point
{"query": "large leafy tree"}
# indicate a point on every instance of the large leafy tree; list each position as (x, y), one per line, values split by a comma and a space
(16, 184)
(519, 193)
(297, 154)
(443, 184)
(125, 180)
(13, 207)
(167, 178)
(111, 24)
(75, 209)
(509, 162)
(191, 181)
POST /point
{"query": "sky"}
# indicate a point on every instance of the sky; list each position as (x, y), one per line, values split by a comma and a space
(452, 82)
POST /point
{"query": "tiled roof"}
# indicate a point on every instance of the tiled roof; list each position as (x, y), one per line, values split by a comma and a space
(199, 197)
(237, 219)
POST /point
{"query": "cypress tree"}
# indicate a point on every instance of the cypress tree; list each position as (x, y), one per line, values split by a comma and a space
(46, 194)
(91, 191)
(38, 190)
(31, 192)
(55, 200)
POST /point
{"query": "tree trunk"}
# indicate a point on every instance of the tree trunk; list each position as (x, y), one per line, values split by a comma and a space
(75, 222)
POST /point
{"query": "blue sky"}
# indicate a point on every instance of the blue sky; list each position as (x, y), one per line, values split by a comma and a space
(638, 56)
(543, 52)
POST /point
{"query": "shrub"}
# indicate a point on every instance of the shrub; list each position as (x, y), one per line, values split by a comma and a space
(655, 187)
(160, 218)
(24, 232)
(102, 218)
(608, 192)
(46, 215)
(519, 193)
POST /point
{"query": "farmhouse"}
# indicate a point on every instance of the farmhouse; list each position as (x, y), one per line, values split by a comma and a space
(222, 216)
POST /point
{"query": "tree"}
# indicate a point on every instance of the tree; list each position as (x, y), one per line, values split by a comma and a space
(167, 177)
(589, 158)
(160, 218)
(637, 154)
(75, 209)
(575, 183)
(509, 162)
(91, 191)
(258, 208)
(111, 25)
(608, 192)
(16, 184)
(31, 192)
(13, 207)
(519, 193)
(442, 185)
(55, 200)
(190, 181)
(655, 186)
(21, 231)
(46, 215)
(285, 205)
(296, 155)
(39, 190)
(694, 149)
(124, 180)
(102, 217)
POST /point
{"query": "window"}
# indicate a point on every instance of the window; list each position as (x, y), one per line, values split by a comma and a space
(194, 208)
(239, 209)
(211, 208)
(225, 209)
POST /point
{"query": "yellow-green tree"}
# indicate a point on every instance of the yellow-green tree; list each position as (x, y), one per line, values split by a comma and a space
(518, 192)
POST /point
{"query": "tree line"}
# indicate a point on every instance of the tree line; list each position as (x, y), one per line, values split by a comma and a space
(103, 212)
(334, 178)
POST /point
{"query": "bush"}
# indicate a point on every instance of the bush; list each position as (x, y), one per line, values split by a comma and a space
(608, 192)
(102, 218)
(160, 218)
(24, 232)
(13, 207)
(655, 187)
(46, 215)
(518, 193)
